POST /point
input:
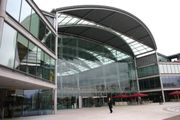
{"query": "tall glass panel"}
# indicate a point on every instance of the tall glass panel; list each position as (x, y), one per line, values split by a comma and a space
(42, 30)
(25, 16)
(52, 70)
(50, 41)
(46, 100)
(40, 63)
(53, 42)
(161, 68)
(165, 68)
(7, 46)
(176, 68)
(46, 69)
(32, 56)
(37, 102)
(34, 28)
(169, 68)
(13, 8)
(21, 53)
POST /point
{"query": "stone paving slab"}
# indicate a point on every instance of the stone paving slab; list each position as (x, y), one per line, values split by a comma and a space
(152, 111)
(174, 118)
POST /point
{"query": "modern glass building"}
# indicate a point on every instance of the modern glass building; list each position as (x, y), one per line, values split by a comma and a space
(75, 57)
(27, 60)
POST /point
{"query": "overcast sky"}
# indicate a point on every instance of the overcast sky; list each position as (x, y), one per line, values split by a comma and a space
(162, 17)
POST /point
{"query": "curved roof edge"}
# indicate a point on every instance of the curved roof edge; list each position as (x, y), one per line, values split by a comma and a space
(68, 10)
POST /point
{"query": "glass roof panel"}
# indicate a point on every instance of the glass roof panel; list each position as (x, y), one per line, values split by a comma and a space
(137, 47)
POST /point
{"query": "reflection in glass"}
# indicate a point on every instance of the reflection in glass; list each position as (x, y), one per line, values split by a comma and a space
(171, 81)
(151, 83)
(148, 71)
(40, 62)
(22, 12)
(42, 30)
(52, 70)
(21, 53)
(13, 8)
(49, 40)
(46, 67)
(25, 16)
(7, 46)
(34, 28)
(31, 61)
(37, 102)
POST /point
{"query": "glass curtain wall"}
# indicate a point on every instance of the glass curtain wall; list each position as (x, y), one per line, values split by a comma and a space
(169, 68)
(7, 46)
(171, 81)
(25, 56)
(22, 12)
(17, 103)
(170, 74)
(92, 71)
(150, 83)
(148, 71)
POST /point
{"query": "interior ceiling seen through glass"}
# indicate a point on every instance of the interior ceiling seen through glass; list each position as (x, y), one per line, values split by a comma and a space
(86, 57)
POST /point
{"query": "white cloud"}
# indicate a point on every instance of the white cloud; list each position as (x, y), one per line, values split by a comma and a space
(161, 17)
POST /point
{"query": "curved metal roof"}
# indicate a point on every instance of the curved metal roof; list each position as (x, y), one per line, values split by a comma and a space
(113, 18)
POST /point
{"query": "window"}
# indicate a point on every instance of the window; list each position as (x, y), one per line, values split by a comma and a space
(151, 83)
(40, 62)
(46, 66)
(42, 30)
(147, 71)
(32, 56)
(25, 16)
(7, 46)
(29, 19)
(34, 28)
(21, 53)
(13, 8)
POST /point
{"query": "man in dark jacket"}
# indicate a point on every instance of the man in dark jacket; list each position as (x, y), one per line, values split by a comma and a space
(110, 104)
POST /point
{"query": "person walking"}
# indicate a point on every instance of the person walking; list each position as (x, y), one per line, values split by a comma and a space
(110, 104)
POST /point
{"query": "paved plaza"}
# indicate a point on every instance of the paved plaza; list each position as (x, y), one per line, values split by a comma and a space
(152, 111)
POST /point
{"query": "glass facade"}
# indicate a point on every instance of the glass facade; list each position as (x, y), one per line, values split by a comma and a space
(18, 102)
(8, 53)
(25, 56)
(148, 71)
(151, 83)
(68, 20)
(13, 8)
(170, 74)
(92, 71)
(170, 81)
(167, 67)
(22, 12)
(86, 71)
